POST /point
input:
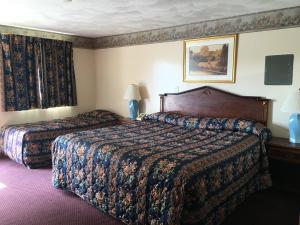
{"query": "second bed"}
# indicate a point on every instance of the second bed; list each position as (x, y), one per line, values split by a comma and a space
(30, 144)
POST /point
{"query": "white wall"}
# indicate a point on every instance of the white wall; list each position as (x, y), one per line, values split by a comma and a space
(157, 68)
(84, 63)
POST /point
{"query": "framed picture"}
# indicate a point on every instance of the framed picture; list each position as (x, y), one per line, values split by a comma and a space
(210, 60)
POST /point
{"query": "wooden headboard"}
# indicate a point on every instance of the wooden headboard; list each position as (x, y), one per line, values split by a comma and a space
(212, 102)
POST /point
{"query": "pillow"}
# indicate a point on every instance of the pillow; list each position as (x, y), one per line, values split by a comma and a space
(234, 124)
(249, 126)
(176, 118)
(100, 114)
(170, 117)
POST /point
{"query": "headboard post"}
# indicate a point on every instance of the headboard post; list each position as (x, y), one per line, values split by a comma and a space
(161, 102)
(212, 102)
(265, 103)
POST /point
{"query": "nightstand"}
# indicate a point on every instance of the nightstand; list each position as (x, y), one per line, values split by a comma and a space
(284, 160)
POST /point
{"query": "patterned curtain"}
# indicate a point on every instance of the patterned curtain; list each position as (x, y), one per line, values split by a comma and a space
(35, 73)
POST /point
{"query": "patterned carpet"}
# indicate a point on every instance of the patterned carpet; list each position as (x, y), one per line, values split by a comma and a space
(28, 198)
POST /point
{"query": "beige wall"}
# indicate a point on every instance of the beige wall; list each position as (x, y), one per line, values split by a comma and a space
(84, 62)
(157, 68)
(102, 76)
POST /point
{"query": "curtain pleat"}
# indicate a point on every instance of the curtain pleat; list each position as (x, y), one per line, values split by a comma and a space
(72, 100)
(61, 72)
(39, 70)
(10, 102)
(2, 90)
(37, 73)
(19, 72)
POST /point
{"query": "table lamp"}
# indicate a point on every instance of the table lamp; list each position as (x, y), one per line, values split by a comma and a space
(133, 95)
(292, 105)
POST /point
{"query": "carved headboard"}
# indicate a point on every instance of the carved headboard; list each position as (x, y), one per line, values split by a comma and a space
(212, 102)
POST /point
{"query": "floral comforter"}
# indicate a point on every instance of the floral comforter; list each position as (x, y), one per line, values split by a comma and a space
(169, 169)
(30, 144)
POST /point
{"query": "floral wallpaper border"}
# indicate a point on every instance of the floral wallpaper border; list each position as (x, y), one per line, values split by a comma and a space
(270, 20)
(78, 42)
(276, 19)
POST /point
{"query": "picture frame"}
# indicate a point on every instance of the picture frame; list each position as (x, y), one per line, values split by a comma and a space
(210, 59)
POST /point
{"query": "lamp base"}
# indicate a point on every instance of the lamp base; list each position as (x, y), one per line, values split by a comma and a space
(133, 109)
(294, 126)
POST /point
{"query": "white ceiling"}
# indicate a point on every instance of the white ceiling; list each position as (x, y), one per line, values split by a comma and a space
(95, 18)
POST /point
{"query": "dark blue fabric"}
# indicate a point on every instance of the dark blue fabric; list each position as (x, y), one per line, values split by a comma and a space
(38, 73)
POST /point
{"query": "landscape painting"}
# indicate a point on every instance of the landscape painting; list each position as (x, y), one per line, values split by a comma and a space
(210, 60)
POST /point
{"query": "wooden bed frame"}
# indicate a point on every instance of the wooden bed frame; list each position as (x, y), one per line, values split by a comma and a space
(212, 102)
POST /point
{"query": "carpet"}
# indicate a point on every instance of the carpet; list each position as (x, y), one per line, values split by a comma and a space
(28, 198)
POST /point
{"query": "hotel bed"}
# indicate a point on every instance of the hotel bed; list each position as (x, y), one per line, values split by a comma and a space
(30, 144)
(191, 163)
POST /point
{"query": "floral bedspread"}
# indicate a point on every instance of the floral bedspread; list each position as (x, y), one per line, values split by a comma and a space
(30, 144)
(165, 170)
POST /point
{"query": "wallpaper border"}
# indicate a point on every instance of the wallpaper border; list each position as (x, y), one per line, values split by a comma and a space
(269, 20)
(78, 42)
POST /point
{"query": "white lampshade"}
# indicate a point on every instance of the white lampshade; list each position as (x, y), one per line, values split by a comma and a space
(292, 103)
(132, 92)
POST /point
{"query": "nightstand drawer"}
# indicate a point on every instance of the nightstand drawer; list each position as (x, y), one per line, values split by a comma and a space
(280, 154)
